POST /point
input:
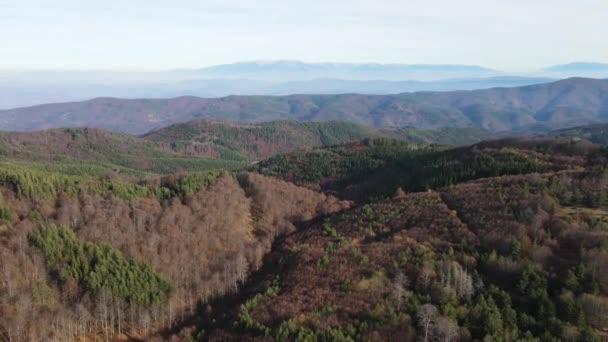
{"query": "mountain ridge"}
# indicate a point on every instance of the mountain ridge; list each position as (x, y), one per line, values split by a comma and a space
(196, 145)
(286, 70)
(540, 107)
(26, 88)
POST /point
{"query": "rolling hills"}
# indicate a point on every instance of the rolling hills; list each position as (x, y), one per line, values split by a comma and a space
(94, 151)
(196, 145)
(29, 88)
(257, 141)
(516, 252)
(491, 259)
(533, 108)
(364, 240)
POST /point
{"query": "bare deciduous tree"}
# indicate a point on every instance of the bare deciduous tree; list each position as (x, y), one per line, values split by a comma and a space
(454, 278)
(426, 315)
(446, 329)
(400, 286)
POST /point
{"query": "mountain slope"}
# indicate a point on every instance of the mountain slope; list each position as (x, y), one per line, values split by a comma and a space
(256, 141)
(505, 238)
(241, 141)
(374, 169)
(88, 150)
(597, 133)
(479, 260)
(195, 145)
(551, 105)
(92, 248)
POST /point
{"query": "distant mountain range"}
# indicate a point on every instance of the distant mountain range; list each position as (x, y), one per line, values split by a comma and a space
(535, 108)
(296, 70)
(581, 69)
(12, 96)
(26, 88)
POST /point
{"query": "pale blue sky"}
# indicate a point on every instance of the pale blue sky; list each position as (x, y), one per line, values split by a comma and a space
(154, 34)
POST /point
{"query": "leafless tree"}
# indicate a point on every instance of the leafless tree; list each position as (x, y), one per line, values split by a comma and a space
(446, 329)
(427, 314)
(400, 286)
(424, 277)
(453, 277)
(596, 308)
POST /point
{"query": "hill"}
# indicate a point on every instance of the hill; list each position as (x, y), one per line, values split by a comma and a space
(256, 141)
(536, 107)
(502, 238)
(94, 151)
(449, 265)
(375, 168)
(194, 146)
(95, 252)
(243, 141)
(517, 256)
(597, 133)
(20, 89)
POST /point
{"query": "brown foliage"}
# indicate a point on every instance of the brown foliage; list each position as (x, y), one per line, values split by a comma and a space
(206, 245)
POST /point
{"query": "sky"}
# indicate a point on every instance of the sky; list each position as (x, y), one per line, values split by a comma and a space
(176, 34)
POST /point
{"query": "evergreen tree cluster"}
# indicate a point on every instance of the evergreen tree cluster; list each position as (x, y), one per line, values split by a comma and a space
(97, 267)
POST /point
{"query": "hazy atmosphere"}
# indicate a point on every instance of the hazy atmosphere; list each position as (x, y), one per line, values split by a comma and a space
(512, 35)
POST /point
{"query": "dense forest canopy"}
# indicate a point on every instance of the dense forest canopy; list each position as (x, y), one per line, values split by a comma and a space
(372, 239)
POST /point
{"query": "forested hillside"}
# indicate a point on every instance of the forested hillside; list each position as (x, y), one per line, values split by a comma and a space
(92, 151)
(538, 107)
(241, 141)
(195, 145)
(376, 167)
(501, 258)
(84, 257)
(380, 239)
(597, 133)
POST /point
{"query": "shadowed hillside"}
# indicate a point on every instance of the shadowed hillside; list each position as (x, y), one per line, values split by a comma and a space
(376, 167)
